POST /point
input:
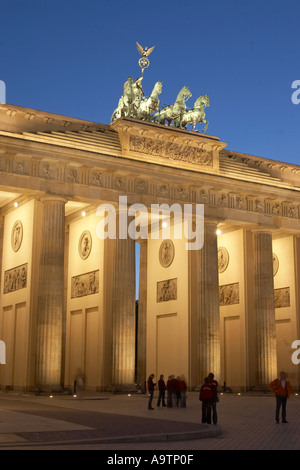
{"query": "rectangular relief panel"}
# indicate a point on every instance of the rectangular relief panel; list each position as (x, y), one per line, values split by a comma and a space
(21, 341)
(282, 297)
(15, 278)
(167, 290)
(229, 294)
(76, 351)
(8, 322)
(85, 284)
(92, 348)
(168, 346)
(232, 345)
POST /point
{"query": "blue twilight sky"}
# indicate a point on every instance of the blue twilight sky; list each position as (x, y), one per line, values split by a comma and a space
(72, 57)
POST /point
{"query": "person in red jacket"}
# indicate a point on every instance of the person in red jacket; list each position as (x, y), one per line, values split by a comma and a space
(282, 389)
(206, 398)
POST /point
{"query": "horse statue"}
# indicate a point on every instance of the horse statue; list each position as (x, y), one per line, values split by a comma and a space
(197, 114)
(151, 104)
(174, 111)
(130, 100)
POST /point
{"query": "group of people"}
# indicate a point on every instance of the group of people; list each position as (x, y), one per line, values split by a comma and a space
(172, 393)
(176, 395)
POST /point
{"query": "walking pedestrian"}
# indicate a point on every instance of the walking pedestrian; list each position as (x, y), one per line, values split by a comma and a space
(150, 388)
(170, 391)
(282, 389)
(183, 389)
(206, 398)
(177, 391)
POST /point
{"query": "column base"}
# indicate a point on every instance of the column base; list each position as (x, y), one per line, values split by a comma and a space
(52, 390)
(262, 389)
(124, 388)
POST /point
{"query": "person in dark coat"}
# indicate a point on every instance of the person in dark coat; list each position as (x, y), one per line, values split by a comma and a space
(161, 391)
(150, 388)
(206, 398)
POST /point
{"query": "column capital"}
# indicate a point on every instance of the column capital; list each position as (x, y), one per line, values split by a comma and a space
(50, 197)
(270, 230)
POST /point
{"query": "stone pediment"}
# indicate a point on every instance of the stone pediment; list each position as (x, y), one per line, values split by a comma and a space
(167, 146)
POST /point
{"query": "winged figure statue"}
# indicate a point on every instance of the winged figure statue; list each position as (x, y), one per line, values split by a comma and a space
(144, 52)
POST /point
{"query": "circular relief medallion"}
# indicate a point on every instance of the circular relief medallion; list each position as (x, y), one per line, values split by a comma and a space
(85, 244)
(17, 235)
(275, 264)
(223, 259)
(166, 253)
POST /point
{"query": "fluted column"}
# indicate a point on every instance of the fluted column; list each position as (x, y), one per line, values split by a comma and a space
(142, 314)
(51, 296)
(264, 309)
(123, 311)
(208, 303)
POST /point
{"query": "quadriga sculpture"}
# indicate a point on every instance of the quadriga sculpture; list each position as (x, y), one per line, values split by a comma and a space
(130, 100)
(197, 114)
(150, 105)
(174, 111)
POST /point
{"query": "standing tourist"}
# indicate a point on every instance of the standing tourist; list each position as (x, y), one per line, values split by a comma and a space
(150, 388)
(282, 389)
(161, 391)
(206, 398)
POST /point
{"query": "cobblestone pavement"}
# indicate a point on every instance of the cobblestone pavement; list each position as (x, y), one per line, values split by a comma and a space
(246, 422)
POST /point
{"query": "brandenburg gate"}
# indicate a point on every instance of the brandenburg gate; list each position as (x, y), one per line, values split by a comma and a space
(68, 293)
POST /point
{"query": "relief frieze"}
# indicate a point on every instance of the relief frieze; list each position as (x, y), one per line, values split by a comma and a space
(171, 150)
(282, 297)
(21, 167)
(15, 278)
(229, 294)
(167, 290)
(46, 170)
(71, 175)
(95, 178)
(85, 284)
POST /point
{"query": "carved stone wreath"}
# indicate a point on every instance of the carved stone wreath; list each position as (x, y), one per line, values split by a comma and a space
(16, 235)
(223, 259)
(166, 253)
(85, 245)
(275, 264)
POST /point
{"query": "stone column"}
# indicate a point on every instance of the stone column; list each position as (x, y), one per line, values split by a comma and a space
(264, 309)
(208, 303)
(297, 291)
(142, 314)
(1, 245)
(123, 313)
(51, 296)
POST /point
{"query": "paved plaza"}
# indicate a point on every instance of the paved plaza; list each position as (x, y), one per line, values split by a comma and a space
(122, 422)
